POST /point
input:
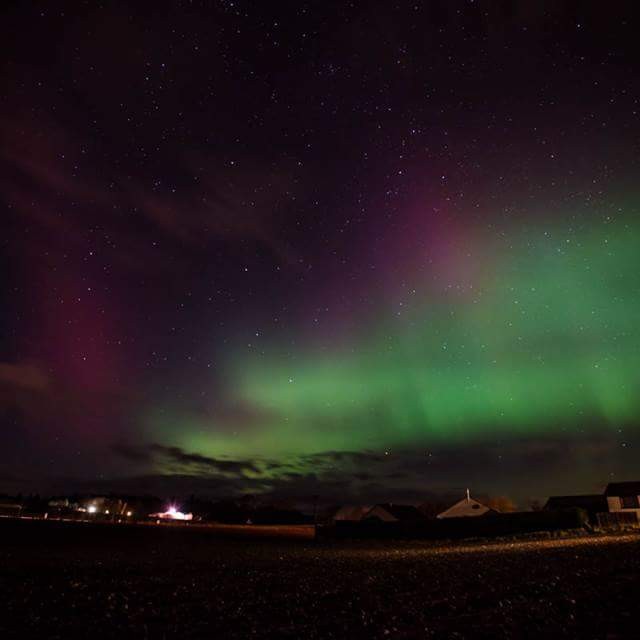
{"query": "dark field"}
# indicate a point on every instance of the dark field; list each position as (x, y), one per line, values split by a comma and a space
(62, 580)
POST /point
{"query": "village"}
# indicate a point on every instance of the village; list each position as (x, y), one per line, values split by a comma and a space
(617, 507)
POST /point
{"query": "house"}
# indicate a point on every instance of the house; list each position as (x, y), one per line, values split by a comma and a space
(393, 513)
(467, 507)
(351, 513)
(10, 509)
(623, 497)
(619, 505)
(592, 504)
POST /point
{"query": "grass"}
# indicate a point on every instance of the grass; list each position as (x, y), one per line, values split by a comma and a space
(68, 580)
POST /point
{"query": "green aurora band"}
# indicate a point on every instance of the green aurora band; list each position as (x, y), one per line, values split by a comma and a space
(548, 340)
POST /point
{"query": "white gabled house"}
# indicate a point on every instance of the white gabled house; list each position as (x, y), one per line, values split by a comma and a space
(623, 497)
(467, 507)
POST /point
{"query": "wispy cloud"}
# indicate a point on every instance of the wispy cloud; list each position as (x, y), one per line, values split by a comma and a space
(22, 375)
(178, 458)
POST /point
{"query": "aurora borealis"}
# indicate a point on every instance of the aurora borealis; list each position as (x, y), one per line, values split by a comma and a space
(372, 251)
(516, 348)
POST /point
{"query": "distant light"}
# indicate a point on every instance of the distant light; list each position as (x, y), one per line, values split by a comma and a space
(92, 508)
(172, 514)
(129, 513)
(178, 515)
(107, 511)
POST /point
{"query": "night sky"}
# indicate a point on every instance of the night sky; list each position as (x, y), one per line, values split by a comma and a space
(377, 250)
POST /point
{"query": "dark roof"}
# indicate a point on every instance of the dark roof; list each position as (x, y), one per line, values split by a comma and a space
(623, 489)
(402, 511)
(589, 502)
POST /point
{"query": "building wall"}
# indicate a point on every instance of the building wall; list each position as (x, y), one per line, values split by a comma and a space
(615, 504)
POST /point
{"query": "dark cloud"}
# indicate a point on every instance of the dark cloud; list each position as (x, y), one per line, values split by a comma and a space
(25, 387)
(44, 404)
(178, 457)
(333, 458)
(561, 466)
(217, 200)
(133, 453)
(362, 476)
(24, 376)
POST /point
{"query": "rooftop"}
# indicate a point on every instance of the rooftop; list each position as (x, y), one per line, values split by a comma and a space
(623, 488)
